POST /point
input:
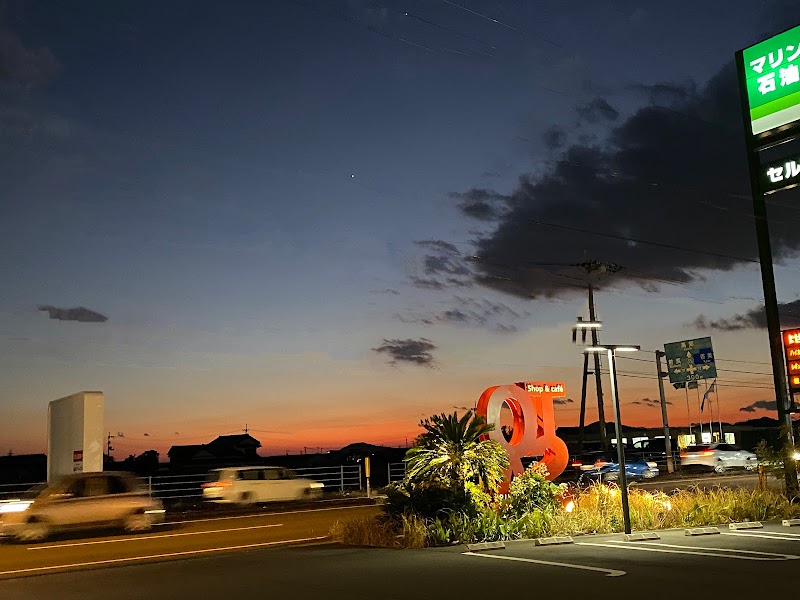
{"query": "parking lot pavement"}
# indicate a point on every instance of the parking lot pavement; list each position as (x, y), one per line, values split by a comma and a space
(731, 560)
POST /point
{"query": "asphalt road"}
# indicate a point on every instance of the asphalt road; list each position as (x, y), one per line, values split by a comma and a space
(175, 539)
(732, 564)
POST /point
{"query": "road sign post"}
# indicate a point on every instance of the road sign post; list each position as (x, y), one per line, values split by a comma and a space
(770, 102)
(688, 362)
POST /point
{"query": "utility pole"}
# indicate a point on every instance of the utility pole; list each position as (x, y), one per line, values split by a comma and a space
(667, 439)
(583, 403)
(601, 415)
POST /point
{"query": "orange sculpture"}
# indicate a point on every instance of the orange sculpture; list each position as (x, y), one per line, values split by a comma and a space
(534, 426)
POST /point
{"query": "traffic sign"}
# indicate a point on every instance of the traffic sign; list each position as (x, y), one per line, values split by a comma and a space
(690, 360)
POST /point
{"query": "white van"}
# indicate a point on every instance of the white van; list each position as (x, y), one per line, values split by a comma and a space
(246, 485)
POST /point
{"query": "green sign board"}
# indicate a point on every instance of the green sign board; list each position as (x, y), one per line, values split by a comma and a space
(690, 360)
(772, 73)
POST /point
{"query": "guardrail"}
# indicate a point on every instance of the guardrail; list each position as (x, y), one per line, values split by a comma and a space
(338, 478)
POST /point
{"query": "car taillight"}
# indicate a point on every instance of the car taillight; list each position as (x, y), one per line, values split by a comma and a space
(216, 484)
(684, 455)
(600, 463)
(577, 463)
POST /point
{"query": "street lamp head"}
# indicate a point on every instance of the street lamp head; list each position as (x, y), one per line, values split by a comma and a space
(589, 325)
(612, 348)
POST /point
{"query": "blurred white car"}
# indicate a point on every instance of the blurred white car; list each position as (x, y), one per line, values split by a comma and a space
(80, 501)
(719, 457)
(247, 485)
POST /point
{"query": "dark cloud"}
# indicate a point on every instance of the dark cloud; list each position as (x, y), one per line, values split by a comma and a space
(29, 67)
(554, 138)
(481, 204)
(627, 200)
(598, 110)
(81, 314)
(427, 283)
(562, 401)
(760, 405)
(441, 267)
(444, 264)
(416, 352)
(470, 312)
(667, 93)
(755, 318)
(651, 402)
(439, 245)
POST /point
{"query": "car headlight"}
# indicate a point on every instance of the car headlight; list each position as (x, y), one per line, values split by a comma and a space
(14, 506)
(796, 455)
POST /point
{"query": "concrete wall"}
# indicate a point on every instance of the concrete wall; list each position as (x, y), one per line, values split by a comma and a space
(75, 434)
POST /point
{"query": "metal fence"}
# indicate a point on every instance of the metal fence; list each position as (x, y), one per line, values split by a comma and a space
(338, 478)
(395, 471)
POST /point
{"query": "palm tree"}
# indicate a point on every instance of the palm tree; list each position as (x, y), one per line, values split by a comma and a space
(451, 453)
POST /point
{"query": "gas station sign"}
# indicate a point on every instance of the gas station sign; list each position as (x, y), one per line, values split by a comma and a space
(791, 350)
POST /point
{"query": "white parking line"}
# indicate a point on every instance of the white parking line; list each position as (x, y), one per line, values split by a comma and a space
(272, 514)
(154, 556)
(767, 535)
(696, 550)
(151, 537)
(608, 572)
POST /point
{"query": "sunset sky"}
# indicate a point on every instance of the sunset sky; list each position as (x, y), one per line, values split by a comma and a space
(328, 219)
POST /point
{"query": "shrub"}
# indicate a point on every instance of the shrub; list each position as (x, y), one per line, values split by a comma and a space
(531, 491)
(407, 531)
(428, 502)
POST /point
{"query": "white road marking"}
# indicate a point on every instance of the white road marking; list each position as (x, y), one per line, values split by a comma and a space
(769, 535)
(151, 537)
(608, 572)
(152, 556)
(696, 550)
(272, 514)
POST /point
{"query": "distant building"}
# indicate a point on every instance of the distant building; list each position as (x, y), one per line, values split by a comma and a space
(226, 450)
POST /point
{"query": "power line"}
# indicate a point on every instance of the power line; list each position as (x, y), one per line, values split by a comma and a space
(453, 31)
(640, 241)
(502, 24)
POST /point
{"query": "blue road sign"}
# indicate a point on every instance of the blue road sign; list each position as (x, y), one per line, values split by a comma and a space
(690, 360)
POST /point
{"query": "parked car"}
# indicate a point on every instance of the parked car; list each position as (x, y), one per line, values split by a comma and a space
(80, 501)
(719, 457)
(247, 485)
(604, 466)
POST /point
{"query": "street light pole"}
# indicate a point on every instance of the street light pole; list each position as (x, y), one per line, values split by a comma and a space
(623, 479)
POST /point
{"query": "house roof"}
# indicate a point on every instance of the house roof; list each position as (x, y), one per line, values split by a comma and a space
(241, 439)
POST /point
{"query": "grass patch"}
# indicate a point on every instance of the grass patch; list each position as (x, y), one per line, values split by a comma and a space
(597, 509)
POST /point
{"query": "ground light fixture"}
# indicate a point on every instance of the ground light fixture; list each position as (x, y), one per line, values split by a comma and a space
(611, 350)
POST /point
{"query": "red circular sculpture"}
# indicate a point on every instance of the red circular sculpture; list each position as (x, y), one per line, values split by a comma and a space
(534, 427)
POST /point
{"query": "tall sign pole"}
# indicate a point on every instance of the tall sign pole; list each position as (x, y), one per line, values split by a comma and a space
(770, 120)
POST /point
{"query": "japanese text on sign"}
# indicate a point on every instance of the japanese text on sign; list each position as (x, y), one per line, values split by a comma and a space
(771, 73)
(690, 360)
(791, 350)
(777, 175)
